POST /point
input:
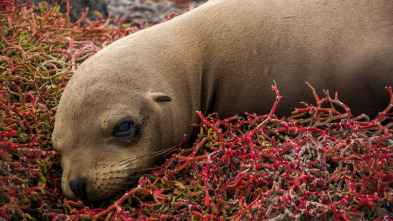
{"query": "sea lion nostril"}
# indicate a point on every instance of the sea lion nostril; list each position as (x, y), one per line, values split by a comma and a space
(79, 187)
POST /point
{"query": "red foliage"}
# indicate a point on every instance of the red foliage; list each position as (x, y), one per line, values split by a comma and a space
(39, 53)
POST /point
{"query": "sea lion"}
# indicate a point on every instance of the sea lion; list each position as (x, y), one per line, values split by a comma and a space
(139, 95)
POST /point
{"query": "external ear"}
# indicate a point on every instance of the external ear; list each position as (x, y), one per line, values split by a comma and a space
(164, 98)
(159, 97)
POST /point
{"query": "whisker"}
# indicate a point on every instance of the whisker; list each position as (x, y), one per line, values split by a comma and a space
(132, 170)
(126, 160)
(126, 177)
(146, 156)
(137, 169)
(119, 188)
(125, 183)
(123, 162)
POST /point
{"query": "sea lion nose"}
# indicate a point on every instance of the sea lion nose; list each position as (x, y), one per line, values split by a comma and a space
(79, 187)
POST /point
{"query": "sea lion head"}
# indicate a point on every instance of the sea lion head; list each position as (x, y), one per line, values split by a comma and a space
(108, 129)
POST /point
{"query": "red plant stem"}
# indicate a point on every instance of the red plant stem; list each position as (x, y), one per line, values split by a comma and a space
(216, 129)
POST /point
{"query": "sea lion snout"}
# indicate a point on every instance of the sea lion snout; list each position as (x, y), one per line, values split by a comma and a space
(98, 180)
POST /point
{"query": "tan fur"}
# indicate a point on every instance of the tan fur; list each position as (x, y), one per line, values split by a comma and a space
(221, 57)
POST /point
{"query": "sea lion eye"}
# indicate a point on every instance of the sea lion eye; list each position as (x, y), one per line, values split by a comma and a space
(123, 129)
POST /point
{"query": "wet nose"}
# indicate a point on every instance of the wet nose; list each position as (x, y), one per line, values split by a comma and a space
(79, 187)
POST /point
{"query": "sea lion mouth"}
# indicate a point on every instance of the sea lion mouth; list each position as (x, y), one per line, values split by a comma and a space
(108, 180)
(113, 183)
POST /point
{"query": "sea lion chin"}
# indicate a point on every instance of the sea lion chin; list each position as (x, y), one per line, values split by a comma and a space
(139, 95)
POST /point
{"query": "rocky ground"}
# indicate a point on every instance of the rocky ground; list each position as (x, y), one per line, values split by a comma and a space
(149, 11)
(132, 11)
